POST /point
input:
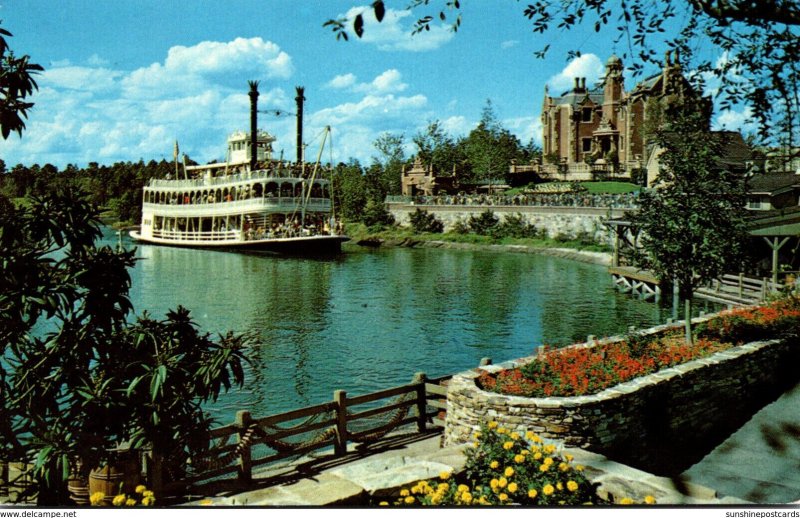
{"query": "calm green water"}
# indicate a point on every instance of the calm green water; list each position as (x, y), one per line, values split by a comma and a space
(370, 319)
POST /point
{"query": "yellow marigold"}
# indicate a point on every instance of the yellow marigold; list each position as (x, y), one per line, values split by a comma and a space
(549, 449)
(416, 490)
(494, 464)
(148, 501)
(436, 499)
(97, 498)
(492, 425)
(140, 489)
(568, 457)
(537, 455)
(443, 488)
(502, 497)
(578, 468)
(548, 489)
(119, 500)
(404, 492)
(494, 483)
(559, 486)
(509, 471)
(532, 493)
(563, 466)
(512, 487)
(462, 488)
(503, 482)
(572, 485)
(409, 500)
(476, 444)
(501, 429)
(508, 445)
(519, 458)
(626, 501)
(525, 452)
(514, 436)
(544, 467)
(147, 493)
(466, 497)
(482, 500)
(650, 500)
(444, 475)
(384, 503)
(130, 502)
(477, 435)
(549, 461)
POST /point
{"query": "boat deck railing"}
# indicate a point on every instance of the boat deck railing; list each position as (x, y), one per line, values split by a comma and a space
(182, 235)
(208, 181)
(228, 207)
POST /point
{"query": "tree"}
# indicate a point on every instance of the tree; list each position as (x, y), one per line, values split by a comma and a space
(489, 148)
(79, 376)
(757, 64)
(693, 220)
(16, 84)
(349, 191)
(392, 158)
(437, 149)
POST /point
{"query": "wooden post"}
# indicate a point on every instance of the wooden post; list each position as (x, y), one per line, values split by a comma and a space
(485, 361)
(741, 284)
(156, 474)
(243, 422)
(422, 401)
(340, 398)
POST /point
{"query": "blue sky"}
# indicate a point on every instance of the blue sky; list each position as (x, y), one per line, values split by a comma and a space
(124, 79)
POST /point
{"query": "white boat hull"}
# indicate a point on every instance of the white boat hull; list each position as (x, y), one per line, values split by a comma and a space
(301, 245)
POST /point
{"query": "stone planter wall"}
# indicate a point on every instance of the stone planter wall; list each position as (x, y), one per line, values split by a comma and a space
(662, 423)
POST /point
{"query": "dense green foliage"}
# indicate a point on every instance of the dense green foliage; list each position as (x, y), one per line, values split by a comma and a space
(16, 84)
(80, 374)
(424, 221)
(693, 221)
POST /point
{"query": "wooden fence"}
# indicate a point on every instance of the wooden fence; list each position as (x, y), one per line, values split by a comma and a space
(239, 448)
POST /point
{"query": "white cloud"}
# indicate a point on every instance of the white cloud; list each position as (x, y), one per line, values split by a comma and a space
(736, 120)
(394, 32)
(342, 81)
(587, 65)
(509, 43)
(197, 94)
(390, 81)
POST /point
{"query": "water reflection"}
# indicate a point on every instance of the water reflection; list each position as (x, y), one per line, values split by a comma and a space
(371, 319)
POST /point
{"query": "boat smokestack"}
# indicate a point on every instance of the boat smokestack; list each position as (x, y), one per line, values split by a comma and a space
(253, 124)
(299, 99)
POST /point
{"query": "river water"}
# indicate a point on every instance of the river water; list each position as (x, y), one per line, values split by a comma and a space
(370, 319)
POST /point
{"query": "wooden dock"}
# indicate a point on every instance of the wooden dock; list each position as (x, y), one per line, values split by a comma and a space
(729, 290)
(636, 281)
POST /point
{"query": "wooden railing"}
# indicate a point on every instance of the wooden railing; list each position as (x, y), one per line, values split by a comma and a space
(239, 448)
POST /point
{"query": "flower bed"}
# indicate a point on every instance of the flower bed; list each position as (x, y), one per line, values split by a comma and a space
(661, 422)
(504, 467)
(591, 368)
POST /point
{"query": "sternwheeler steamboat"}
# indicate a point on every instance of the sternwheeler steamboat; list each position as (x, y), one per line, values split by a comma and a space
(248, 202)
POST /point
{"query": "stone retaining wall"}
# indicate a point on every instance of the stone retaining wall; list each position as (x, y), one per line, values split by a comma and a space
(567, 222)
(663, 423)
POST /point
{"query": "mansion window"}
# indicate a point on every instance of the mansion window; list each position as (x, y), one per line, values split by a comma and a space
(586, 115)
(586, 145)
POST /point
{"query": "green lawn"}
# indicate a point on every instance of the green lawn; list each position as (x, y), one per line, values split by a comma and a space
(610, 187)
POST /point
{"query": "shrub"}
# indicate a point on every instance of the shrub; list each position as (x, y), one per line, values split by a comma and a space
(516, 226)
(376, 216)
(460, 227)
(504, 467)
(485, 224)
(423, 221)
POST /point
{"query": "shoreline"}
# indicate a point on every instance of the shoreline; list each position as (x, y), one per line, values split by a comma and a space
(584, 256)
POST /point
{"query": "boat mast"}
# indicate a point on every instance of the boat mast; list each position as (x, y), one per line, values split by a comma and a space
(314, 172)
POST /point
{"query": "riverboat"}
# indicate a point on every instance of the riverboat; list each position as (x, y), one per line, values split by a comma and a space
(260, 204)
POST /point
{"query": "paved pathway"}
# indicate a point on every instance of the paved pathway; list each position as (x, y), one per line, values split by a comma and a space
(761, 461)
